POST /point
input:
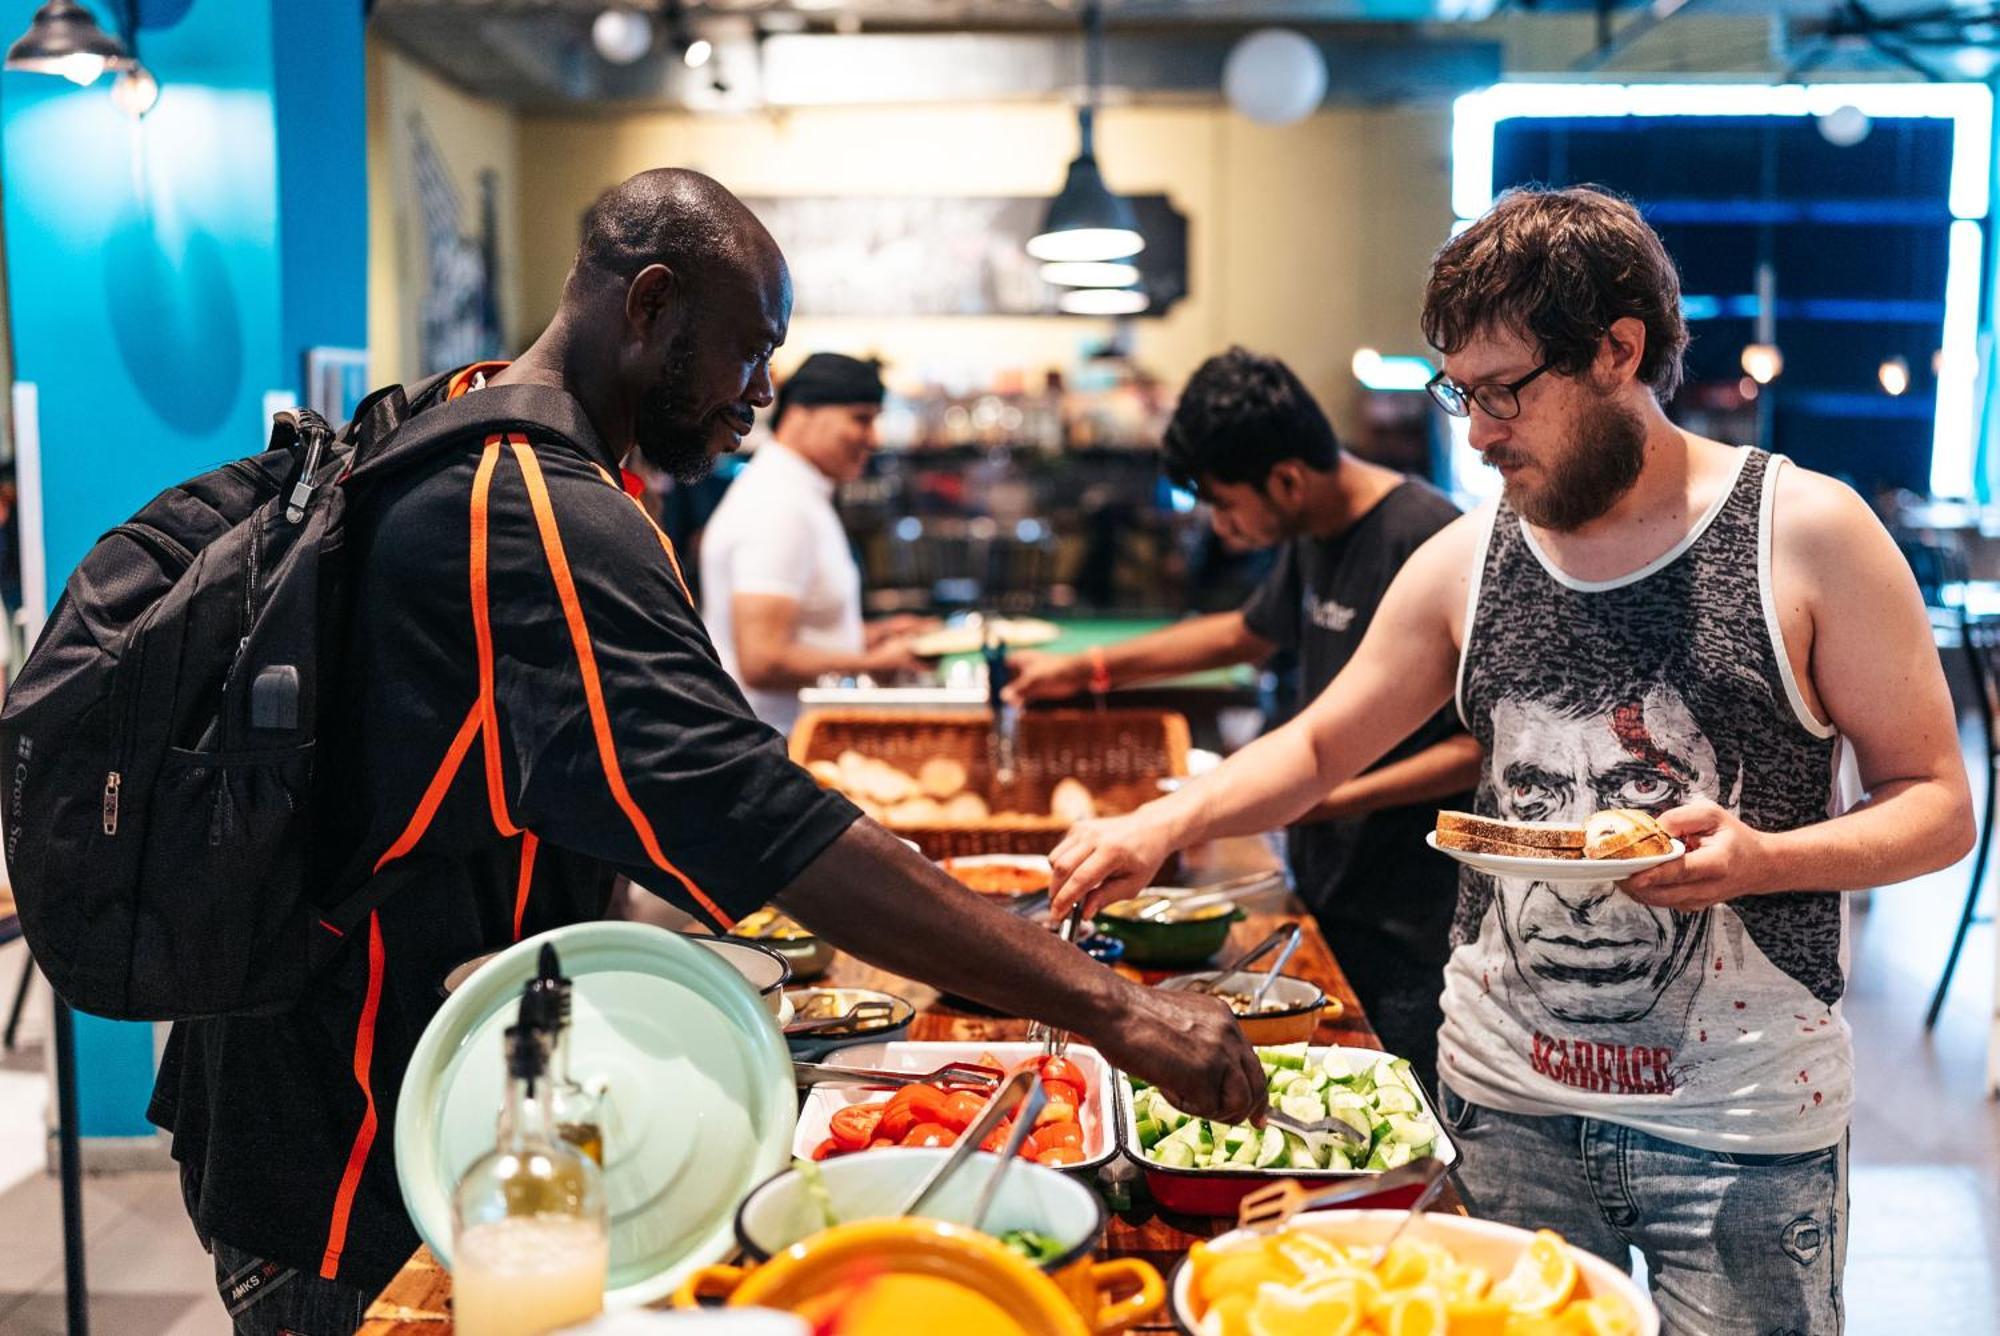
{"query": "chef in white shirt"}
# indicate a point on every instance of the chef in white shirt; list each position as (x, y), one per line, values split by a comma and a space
(780, 589)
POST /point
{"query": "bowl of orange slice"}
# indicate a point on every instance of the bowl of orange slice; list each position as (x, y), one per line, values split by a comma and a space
(1325, 1274)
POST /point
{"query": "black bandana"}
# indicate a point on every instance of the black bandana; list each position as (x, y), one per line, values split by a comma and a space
(832, 378)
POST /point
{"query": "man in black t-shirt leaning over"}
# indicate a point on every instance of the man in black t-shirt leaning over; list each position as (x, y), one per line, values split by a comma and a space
(532, 707)
(1251, 441)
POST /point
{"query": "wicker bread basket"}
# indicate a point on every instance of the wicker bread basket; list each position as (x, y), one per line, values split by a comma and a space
(1119, 755)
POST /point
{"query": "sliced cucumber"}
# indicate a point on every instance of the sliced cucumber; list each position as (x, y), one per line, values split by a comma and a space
(1271, 1148)
(1307, 1107)
(1174, 1154)
(1291, 1057)
(1395, 1099)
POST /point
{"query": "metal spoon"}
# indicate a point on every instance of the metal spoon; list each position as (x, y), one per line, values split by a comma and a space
(1245, 958)
(1168, 908)
(1277, 966)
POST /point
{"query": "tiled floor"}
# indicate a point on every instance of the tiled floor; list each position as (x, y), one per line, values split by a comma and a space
(1925, 1225)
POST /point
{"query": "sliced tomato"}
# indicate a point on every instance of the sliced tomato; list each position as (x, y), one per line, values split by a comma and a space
(1056, 1111)
(854, 1126)
(961, 1109)
(1060, 1134)
(826, 1149)
(1063, 1090)
(1062, 1069)
(927, 1102)
(996, 1140)
(987, 1059)
(880, 1142)
(908, 1107)
(930, 1134)
(1058, 1156)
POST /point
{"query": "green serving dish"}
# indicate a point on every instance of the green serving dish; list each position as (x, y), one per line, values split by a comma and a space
(1170, 945)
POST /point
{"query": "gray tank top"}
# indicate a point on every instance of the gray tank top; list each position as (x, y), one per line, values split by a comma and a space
(1722, 1028)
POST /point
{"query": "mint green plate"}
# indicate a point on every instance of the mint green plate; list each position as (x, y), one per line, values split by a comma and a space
(700, 1092)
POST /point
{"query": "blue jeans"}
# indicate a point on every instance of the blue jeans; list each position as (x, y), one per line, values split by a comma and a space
(1735, 1245)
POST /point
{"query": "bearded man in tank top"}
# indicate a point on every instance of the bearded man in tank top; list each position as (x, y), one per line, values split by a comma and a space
(1644, 619)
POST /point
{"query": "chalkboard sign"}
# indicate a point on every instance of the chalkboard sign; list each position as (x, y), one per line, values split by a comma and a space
(886, 255)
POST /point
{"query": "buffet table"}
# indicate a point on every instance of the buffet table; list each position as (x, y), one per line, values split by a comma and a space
(417, 1301)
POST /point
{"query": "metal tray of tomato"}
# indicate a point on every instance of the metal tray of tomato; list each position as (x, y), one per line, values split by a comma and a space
(1097, 1116)
(1217, 1192)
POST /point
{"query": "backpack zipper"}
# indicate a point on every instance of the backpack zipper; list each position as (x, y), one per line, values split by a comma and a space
(111, 783)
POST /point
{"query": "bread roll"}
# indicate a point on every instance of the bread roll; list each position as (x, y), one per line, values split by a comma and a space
(965, 809)
(887, 785)
(828, 774)
(1072, 801)
(941, 778)
(916, 812)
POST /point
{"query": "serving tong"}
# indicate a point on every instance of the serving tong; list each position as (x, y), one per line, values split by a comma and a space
(1317, 1133)
(1023, 1088)
(1290, 935)
(1006, 717)
(1273, 1207)
(868, 1011)
(951, 1076)
(1175, 899)
(1054, 1041)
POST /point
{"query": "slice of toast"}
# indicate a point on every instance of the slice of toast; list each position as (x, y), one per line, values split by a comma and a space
(1624, 832)
(1519, 839)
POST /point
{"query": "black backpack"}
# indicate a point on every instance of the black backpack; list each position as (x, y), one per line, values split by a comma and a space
(159, 741)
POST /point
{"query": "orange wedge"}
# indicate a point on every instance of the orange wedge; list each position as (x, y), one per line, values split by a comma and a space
(1327, 1309)
(1542, 1280)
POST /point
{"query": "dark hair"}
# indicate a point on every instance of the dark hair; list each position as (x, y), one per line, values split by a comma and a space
(1239, 416)
(1558, 267)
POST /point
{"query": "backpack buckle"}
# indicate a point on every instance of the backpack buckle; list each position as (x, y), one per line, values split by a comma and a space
(308, 426)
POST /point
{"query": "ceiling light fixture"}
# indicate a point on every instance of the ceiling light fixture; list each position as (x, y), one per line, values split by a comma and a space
(621, 36)
(1101, 301)
(1894, 373)
(136, 91)
(64, 39)
(1085, 221)
(1091, 274)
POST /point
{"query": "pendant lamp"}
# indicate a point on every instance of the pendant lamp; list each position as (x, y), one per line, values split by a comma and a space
(1086, 221)
(64, 39)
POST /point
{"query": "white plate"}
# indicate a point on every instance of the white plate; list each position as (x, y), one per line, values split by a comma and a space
(970, 636)
(1100, 1137)
(1556, 869)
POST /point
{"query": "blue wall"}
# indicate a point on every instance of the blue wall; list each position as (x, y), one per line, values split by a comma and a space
(164, 275)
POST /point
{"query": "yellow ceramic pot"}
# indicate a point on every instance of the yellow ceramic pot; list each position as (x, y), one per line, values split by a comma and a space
(1111, 1295)
(892, 1277)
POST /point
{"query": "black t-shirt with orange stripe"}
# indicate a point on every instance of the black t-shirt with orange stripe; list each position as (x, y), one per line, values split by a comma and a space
(532, 707)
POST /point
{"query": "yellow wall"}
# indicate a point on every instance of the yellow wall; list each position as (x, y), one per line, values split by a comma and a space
(1307, 242)
(471, 135)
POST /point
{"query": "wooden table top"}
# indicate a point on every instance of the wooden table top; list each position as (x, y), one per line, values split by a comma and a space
(416, 1302)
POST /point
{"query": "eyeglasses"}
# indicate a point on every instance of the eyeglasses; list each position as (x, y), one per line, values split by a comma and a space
(1500, 402)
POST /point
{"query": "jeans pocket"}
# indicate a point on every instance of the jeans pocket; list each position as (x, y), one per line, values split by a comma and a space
(1741, 1160)
(1460, 1115)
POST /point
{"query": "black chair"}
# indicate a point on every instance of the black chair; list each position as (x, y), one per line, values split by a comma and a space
(1948, 592)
